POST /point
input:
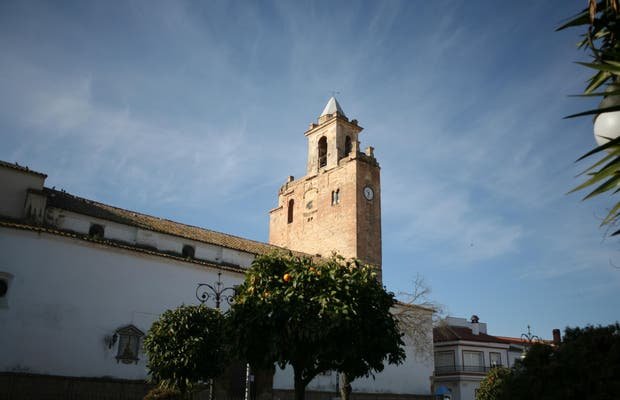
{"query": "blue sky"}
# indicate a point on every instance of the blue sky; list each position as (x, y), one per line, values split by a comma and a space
(195, 111)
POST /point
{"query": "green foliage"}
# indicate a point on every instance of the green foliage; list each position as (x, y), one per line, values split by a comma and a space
(159, 393)
(186, 346)
(602, 19)
(315, 315)
(492, 386)
(585, 366)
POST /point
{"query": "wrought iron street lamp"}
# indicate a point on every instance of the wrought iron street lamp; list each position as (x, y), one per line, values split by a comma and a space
(528, 340)
(206, 291)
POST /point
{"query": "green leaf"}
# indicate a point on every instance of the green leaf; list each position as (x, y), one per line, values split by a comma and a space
(610, 144)
(604, 66)
(597, 80)
(583, 18)
(603, 160)
(607, 185)
(600, 175)
(595, 111)
(597, 94)
(612, 215)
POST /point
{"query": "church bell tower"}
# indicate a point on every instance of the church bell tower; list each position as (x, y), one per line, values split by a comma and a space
(337, 205)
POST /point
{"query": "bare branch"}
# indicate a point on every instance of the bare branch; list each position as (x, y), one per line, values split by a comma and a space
(416, 314)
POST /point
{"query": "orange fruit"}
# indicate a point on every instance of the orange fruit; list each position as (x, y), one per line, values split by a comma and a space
(286, 277)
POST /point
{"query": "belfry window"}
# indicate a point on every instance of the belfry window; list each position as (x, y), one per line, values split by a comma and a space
(347, 145)
(291, 206)
(96, 231)
(322, 152)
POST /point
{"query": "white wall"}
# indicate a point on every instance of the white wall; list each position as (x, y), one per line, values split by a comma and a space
(411, 377)
(13, 188)
(67, 220)
(66, 295)
(464, 385)
(485, 348)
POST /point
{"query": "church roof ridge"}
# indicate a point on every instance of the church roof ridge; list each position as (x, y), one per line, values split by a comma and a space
(22, 168)
(14, 224)
(80, 205)
(332, 107)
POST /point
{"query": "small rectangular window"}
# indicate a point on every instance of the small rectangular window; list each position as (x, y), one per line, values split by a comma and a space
(335, 197)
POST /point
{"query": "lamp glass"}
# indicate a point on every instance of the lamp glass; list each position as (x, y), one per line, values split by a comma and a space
(607, 127)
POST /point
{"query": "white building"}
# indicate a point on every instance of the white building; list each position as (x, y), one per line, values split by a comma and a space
(465, 352)
(81, 282)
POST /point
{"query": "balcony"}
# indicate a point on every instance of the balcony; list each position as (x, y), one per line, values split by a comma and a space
(461, 369)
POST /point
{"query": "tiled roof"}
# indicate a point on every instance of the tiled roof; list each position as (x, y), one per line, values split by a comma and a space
(21, 168)
(453, 333)
(41, 229)
(91, 208)
(520, 341)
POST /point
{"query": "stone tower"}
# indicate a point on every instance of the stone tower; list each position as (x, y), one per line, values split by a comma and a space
(337, 205)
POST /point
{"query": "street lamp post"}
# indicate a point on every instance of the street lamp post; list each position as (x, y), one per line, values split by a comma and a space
(207, 291)
(528, 338)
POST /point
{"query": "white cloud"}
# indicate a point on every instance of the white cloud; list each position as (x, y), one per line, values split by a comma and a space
(431, 213)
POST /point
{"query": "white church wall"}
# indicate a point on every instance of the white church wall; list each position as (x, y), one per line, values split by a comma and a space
(14, 186)
(66, 296)
(146, 238)
(119, 232)
(205, 251)
(237, 257)
(412, 376)
(67, 220)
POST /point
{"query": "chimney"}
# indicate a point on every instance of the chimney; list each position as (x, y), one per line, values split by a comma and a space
(475, 328)
(557, 337)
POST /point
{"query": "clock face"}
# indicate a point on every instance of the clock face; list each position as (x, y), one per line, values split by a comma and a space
(369, 194)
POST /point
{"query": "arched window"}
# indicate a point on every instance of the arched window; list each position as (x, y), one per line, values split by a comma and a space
(188, 251)
(347, 145)
(291, 204)
(322, 152)
(96, 231)
(335, 197)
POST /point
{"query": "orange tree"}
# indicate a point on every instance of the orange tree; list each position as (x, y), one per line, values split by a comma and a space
(186, 346)
(492, 386)
(317, 316)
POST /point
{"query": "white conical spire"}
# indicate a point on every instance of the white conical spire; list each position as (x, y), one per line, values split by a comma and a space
(332, 107)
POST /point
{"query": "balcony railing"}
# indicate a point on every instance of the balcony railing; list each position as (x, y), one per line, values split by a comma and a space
(461, 369)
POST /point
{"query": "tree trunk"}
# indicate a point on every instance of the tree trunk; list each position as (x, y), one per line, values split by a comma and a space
(300, 386)
(345, 386)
